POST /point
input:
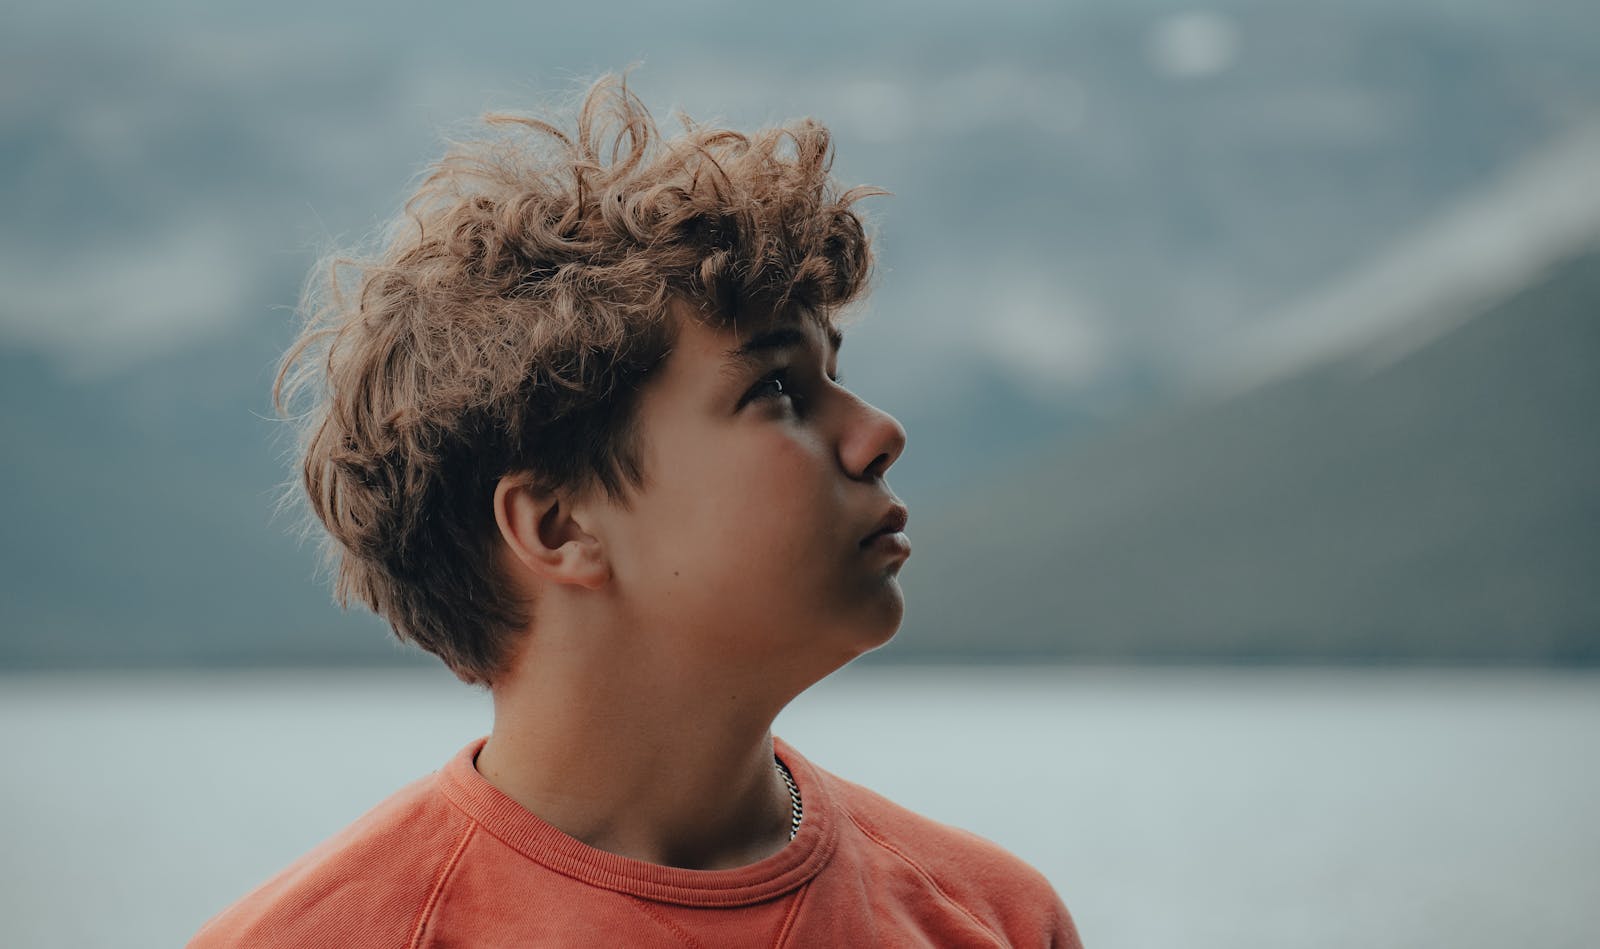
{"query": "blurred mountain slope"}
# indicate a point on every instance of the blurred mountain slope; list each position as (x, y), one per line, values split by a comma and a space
(1445, 506)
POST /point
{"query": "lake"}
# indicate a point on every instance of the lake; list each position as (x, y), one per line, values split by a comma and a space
(1171, 807)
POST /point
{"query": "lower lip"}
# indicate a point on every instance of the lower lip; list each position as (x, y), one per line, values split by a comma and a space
(892, 542)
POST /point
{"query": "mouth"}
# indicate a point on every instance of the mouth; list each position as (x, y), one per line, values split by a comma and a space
(891, 526)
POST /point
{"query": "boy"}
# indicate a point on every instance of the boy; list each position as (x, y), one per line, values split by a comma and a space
(578, 430)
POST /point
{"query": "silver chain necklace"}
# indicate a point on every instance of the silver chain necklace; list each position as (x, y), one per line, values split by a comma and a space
(794, 796)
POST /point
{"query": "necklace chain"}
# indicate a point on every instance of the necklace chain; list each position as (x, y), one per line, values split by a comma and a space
(794, 796)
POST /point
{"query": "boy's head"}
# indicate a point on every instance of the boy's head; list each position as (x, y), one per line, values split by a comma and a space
(533, 328)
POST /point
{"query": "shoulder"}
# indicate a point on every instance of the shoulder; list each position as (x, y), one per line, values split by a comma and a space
(367, 885)
(998, 888)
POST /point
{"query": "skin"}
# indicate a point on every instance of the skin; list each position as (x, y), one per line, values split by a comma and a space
(672, 626)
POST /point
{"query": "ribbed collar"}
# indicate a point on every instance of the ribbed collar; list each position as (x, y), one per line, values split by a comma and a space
(541, 842)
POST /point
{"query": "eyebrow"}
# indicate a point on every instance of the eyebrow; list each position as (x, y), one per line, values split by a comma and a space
(758, 346)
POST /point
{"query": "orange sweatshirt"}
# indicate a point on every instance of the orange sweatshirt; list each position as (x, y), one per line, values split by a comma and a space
(449, 860)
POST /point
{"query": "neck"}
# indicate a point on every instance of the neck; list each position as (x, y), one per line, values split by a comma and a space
(639, 762)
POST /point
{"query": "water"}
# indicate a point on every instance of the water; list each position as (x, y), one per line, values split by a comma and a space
(1194, 808)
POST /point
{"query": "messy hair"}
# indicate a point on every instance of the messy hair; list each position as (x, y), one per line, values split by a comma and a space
(507, 323)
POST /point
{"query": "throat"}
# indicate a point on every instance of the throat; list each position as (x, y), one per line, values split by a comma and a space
(652, 808)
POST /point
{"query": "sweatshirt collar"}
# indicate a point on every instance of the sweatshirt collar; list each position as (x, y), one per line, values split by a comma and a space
(539, 841)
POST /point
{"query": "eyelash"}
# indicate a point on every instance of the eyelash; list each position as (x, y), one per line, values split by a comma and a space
(781, 377)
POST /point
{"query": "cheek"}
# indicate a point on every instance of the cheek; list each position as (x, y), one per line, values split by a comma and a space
(754, 514)
(714, 501)
(773, 495)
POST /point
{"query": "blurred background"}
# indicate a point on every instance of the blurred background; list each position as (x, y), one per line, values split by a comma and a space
(1247, 353)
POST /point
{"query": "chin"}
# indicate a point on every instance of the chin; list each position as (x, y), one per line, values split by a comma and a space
(882, 628)
(870, 623)
(877, 644)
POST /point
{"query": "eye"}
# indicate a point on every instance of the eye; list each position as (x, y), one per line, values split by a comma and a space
(773, 385)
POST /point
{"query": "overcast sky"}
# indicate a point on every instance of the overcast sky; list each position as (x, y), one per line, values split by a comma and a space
(1095, 198)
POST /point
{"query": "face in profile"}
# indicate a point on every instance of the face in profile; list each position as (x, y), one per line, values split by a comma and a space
(764, 476)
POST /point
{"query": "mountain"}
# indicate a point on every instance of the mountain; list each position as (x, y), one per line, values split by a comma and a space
(1439, 504)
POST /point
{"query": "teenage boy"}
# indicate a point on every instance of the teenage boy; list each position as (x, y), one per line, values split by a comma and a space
(578, 429)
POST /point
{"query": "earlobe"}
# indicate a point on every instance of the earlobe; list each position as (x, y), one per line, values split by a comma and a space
(541, 532)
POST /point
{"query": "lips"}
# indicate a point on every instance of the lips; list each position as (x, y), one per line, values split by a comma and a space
(893, 522)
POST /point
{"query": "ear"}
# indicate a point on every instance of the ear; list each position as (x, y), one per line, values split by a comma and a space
(540, 530)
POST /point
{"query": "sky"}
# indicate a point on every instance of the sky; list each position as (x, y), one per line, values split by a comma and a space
(1091, 199)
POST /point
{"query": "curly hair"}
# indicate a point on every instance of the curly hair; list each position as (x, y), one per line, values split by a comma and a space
(507, 324)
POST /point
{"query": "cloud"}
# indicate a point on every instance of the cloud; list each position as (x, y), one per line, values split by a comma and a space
(1192, 45)
(113, 304)
(899, 106)
(1053, 340)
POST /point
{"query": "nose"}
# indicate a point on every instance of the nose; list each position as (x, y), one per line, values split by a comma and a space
(872, 443)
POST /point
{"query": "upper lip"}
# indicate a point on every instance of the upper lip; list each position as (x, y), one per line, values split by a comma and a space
(893, 520)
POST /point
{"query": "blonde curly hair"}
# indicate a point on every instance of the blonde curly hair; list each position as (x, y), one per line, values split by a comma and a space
(507, 324)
